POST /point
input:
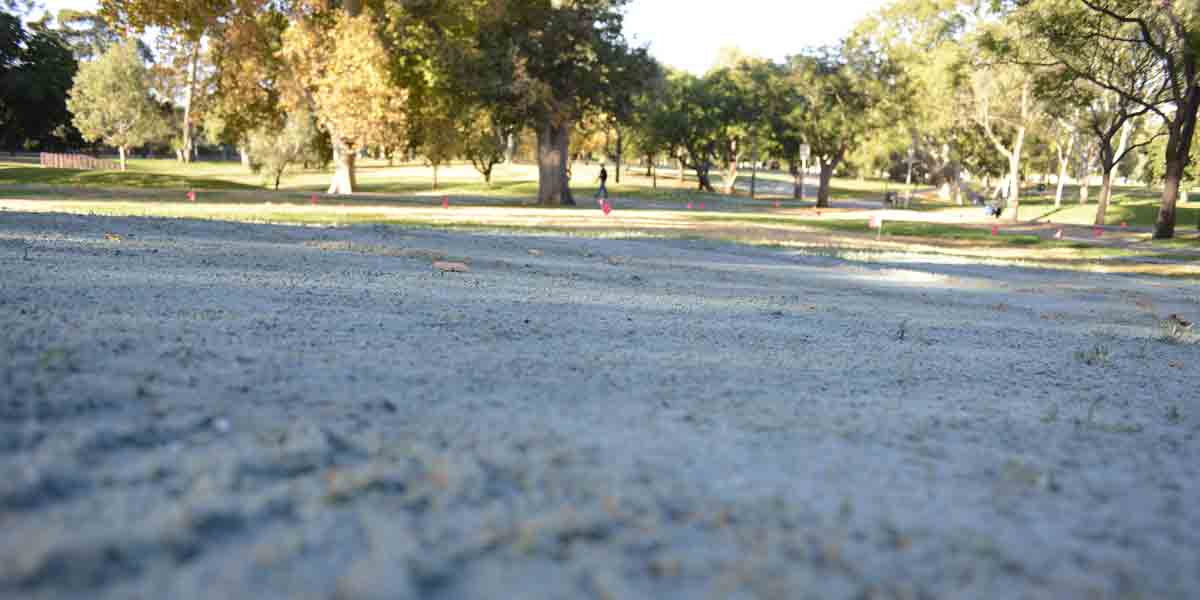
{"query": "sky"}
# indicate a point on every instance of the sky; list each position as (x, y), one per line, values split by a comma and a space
(687, 34)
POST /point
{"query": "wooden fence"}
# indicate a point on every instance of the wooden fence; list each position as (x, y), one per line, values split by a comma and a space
(75, 161)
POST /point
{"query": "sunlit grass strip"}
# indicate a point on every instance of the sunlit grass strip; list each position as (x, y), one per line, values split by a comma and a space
(768, 232)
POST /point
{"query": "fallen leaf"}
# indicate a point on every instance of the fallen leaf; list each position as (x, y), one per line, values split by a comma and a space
(112, 237)
(446, 266)
(535, 252)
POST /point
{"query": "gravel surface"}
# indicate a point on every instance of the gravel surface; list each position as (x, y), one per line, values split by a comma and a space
(193, 409)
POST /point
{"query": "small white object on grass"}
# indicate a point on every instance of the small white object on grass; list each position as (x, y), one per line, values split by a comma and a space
(221, 425)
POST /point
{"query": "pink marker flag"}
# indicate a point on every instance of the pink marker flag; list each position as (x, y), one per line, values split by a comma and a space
(776, 204)
(1124, 225)
(1097, 232)
(191, 195)
(606, 207)
(1058, 234)
(314, 199)
(876, 222)
(701, 206)
(689, 205)
(445, 202)
(995, 230)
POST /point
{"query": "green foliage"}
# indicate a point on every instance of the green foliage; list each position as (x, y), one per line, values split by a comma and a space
(111, 101)
(694, 122)
(244, 87)
(273, 151)
(36, 69)
(848, 91)
(484, 141)
(86, 32)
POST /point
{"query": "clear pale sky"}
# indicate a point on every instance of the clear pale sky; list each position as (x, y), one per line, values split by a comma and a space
(688, 33)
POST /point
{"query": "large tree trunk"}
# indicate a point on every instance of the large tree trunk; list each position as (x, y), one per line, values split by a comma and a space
(1164, 227)
(121, 152)
(1014, 169)
(189, 93)
(1085, 178)
(553, 184)
(1179, 145)
(617, 167)
(435, 174)
(1064, 160)
(343, 174)
(1105, 194)
(649, 164)
(1062, 177)
(797, 181)
(731, 175)
(823, 186)
(753, 165)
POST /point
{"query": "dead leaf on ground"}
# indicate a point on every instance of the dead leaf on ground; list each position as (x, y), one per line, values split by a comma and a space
(535, 252)
(446, 266)
(112, 237)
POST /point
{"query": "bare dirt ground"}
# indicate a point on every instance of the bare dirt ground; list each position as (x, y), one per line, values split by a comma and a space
(194, 409)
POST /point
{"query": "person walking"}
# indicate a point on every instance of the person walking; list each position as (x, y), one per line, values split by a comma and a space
(603, 191)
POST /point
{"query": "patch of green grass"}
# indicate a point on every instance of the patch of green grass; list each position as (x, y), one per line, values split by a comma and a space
(896, 228)
(23, 175)
(1133, 207)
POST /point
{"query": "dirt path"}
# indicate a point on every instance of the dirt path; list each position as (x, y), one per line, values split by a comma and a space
(194, 409)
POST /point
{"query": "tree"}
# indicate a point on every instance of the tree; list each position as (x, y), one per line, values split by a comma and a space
(849, 91)
(111, 101)
(86, 32)
(36, 71)
(694, 125)
(1064, 134)
(342, 73)
(1161, 38)
(1005, 108)
(274, 150)
(437, 136)
(184, 25)
(924, 39)
(733, 89)
(785, 114)
(484, 141)
(652, 120)
(552, 62)
(243, 90)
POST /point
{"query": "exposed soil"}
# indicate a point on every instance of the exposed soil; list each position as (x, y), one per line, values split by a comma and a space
(196, 409)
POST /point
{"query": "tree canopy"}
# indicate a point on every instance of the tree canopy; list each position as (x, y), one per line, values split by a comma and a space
(111, 101)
